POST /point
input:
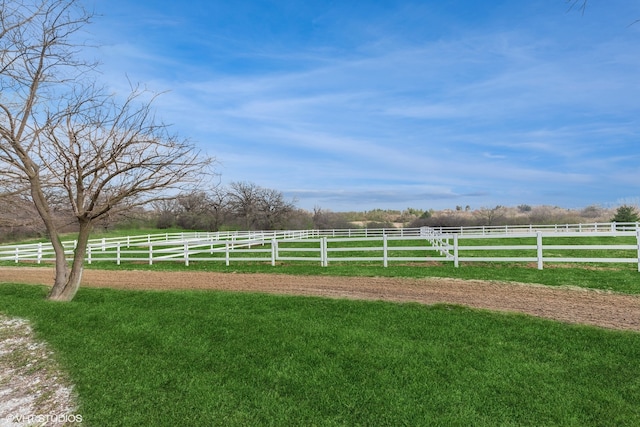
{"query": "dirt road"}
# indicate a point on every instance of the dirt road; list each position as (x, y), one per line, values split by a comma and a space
(574, 305)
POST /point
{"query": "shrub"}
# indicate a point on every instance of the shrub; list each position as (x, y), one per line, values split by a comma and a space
(626, 213)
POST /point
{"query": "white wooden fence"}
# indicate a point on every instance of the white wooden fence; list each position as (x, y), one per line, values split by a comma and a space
(453, 249)
(423, 244)
(555, 228)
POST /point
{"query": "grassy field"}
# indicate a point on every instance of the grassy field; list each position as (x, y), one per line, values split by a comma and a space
(217, 358)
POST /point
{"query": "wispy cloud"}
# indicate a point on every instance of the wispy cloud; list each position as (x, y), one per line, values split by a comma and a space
(476, 110)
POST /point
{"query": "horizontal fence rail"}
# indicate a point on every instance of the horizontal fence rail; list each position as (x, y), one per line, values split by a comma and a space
(529, 228)
(572, 243)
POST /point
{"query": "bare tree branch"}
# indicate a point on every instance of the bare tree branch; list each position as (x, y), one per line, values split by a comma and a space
(577, 4)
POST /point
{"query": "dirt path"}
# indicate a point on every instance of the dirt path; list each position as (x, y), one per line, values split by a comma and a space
(574, 305)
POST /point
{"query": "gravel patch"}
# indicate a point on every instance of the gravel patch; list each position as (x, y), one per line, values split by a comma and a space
(33, 390)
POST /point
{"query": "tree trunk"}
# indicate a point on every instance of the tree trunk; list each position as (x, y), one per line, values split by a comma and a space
(64, 289)
(40, 202)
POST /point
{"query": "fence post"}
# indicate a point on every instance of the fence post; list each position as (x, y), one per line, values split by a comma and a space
(150, 253)
(118, 254)
(226, 253)
(104, 244)
(638, 243)
(324, 261)
(456, 261)
(39, 252)
(186, 254)
(385, 259)
(539, 249)
(88, 254)
(17, 254)
(274, 251)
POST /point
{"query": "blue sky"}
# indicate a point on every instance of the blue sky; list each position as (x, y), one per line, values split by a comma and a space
(356, 105)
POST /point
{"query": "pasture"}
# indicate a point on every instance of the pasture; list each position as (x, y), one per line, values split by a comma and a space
(230, 358)
(224, 358)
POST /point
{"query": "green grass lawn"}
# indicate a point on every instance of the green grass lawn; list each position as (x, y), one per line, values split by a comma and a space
(218, 358)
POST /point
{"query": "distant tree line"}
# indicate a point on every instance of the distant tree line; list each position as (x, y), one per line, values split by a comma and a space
(248, 206)
(241, 205)
(522, 215)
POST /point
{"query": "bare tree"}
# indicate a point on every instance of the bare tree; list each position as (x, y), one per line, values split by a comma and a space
(490, 216)
(58, 137)
(219, 207)
(243, 200)
(274, 210)
(242, 204)
(257, 207)
(193, 210)
(165, 211)
(324, 219)
(197, 211)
